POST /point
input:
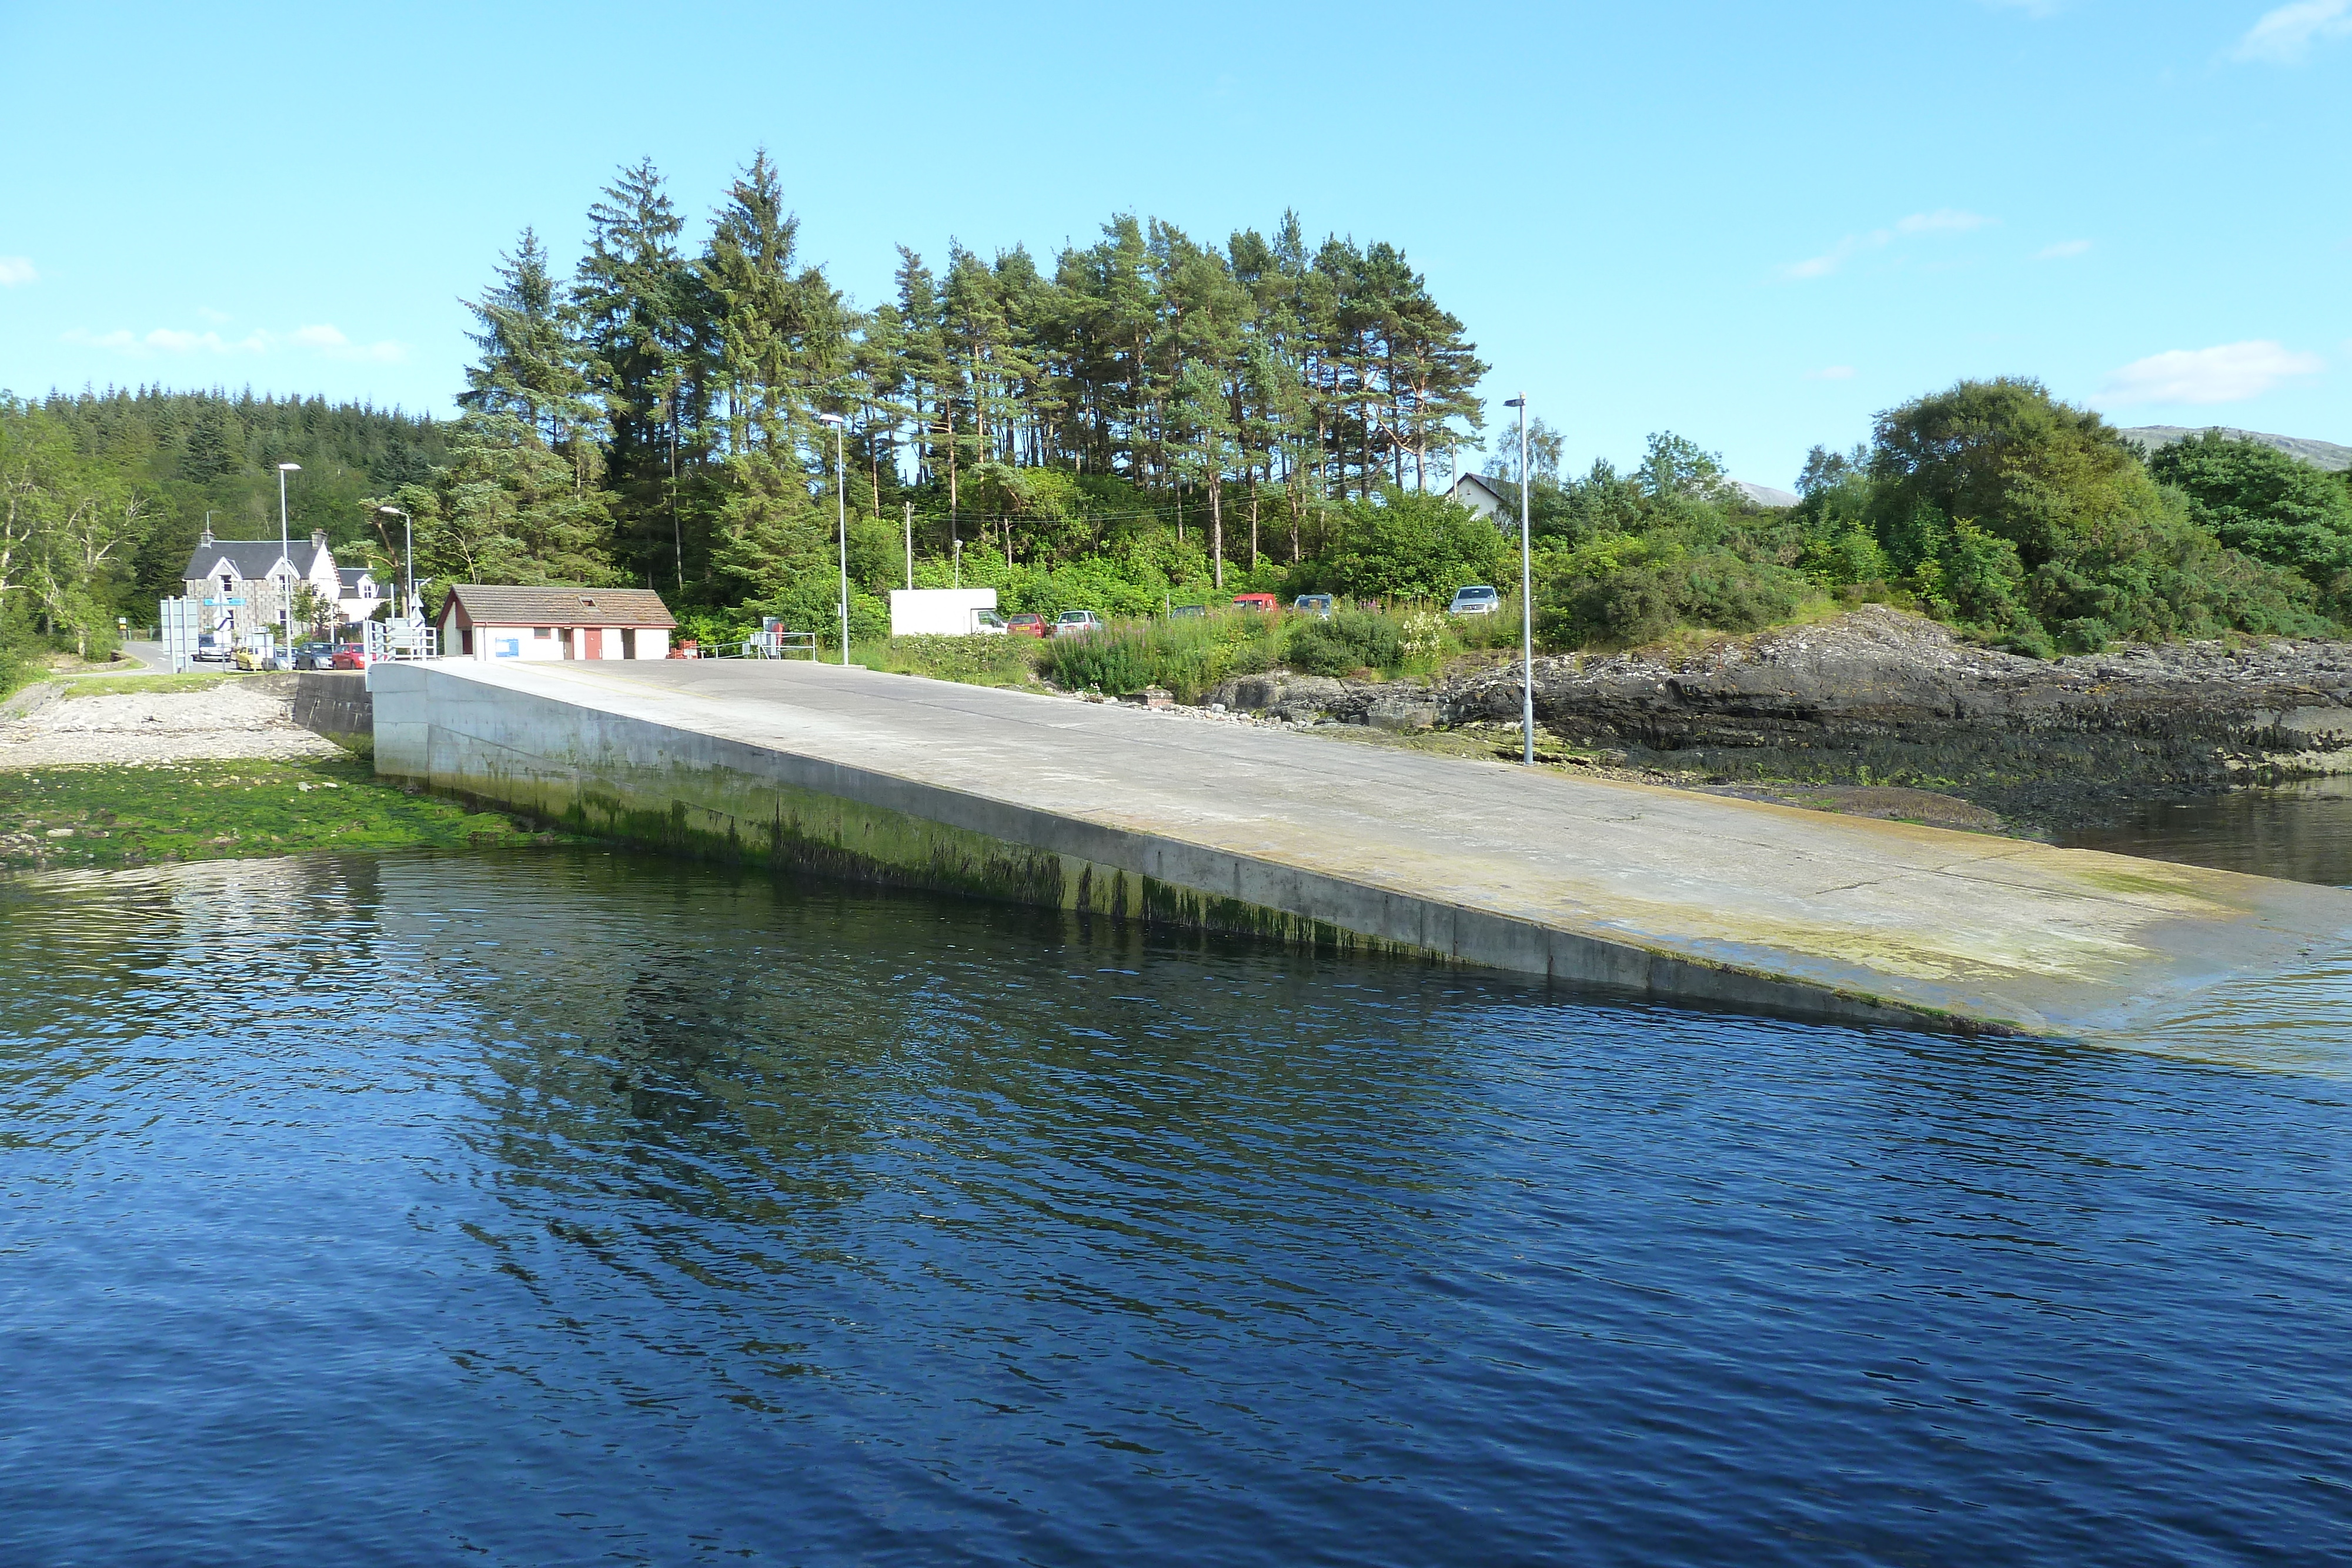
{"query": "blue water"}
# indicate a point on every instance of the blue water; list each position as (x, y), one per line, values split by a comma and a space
(576, 1208)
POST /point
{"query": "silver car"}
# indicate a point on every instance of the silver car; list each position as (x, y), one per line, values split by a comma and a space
(1076, 622)
(1478, 600)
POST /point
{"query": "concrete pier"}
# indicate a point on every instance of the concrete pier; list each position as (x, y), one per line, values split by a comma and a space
(1134, 815)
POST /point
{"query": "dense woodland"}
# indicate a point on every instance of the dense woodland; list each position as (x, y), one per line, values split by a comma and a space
(1147, 420)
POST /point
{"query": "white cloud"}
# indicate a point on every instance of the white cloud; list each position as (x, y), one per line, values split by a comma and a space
(2064, 249)
(1831, 374)
(17, 269)
(2284, 36)
(1943, 221)
(2230, 372)
(325, 341)
(1829, 261)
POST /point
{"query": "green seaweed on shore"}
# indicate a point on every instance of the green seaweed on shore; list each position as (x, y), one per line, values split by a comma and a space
(106, 816)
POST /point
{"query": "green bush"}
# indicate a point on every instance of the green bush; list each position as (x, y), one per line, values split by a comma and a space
(1403, 546)
(1105, 661)
(1641, 602)
(1349, 640)
(1187, 657)
(976, 661)
(2258, 500)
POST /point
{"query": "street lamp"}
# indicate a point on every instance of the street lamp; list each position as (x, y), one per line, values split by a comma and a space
(408, 551)
(1526, 602)
(286, 555)
(841, 513)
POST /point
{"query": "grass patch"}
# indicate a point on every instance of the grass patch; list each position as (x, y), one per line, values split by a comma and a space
(123, 685)
(110, 816)
(977, 661)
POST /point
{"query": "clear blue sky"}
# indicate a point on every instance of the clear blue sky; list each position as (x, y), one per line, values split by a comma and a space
(1757, 225)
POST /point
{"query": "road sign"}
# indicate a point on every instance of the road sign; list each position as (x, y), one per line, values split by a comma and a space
(178, 629)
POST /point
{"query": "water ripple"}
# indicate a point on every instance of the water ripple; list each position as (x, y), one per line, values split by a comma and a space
(571, 1209)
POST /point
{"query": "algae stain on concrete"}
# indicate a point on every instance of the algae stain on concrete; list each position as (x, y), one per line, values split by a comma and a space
(726, 815)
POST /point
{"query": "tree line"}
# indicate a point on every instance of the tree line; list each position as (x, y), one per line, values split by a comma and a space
(103, 496)
(1149, 421)
(2025, 521)
(662, 411)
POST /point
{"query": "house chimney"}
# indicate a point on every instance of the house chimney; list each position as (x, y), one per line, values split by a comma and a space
(208, 534)
(318, 538)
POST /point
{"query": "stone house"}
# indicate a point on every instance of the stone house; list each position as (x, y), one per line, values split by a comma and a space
(242, 585)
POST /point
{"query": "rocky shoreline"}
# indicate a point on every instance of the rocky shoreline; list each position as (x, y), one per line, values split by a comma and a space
(1880, 700)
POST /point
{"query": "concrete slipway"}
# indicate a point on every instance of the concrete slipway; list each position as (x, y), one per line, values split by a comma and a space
(1115, 811)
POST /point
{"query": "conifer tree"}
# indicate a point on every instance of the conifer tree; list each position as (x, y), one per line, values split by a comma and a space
(530, 364)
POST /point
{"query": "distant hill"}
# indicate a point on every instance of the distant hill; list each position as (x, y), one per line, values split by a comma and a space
(2318, 454)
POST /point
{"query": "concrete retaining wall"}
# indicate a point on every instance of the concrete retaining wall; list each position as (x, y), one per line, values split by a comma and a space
(337, 704)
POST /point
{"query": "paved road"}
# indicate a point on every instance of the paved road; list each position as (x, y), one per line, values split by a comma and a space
(2062, 941)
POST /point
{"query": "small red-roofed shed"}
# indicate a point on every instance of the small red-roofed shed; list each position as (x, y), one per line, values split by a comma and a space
(496, 620)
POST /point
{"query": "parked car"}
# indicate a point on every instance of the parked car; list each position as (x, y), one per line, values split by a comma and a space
(315, 656)
(1478, 600)
(350, 656)
(1180, 611)
(211, 650)
(1077, 624)
(1027, 626)
(255, 659)
(1265, 601)
(988, 622)
(1313, 604)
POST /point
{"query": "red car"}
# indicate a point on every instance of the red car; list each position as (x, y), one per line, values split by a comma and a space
(1265, 601)
(350, 656)
(1027, 626)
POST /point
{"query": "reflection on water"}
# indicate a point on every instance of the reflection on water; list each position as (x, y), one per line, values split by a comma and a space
(2299, 832)
(576, 1207)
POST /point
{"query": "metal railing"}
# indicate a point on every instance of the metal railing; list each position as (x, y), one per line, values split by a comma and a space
(778, 643)
(401, 640)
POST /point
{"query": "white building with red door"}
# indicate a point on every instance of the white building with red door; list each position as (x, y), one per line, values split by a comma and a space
(491, 621)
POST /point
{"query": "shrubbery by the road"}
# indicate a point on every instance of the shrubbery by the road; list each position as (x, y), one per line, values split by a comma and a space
(1349, 640)
(1186, 656)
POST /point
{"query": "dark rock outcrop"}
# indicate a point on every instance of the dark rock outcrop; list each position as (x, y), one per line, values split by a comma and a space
(1878, 696)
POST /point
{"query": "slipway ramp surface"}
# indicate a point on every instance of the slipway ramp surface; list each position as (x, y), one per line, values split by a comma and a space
(1674, 895)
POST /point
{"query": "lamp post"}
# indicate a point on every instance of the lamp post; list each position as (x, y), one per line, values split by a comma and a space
(1526, 602)
(841, 517)
(408, 551)
(286, 556)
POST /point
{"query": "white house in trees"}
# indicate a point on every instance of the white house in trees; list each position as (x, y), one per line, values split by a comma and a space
(356, 593)
(491, 621)
(1486, 499)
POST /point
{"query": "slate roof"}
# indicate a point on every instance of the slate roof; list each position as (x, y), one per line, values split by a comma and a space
(1494, 492)
(494, 604)
(347, 577)
(252, 558)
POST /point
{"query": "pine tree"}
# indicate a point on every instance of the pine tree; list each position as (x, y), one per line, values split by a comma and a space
(530, 365)
(505, 509)
(216, 443)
